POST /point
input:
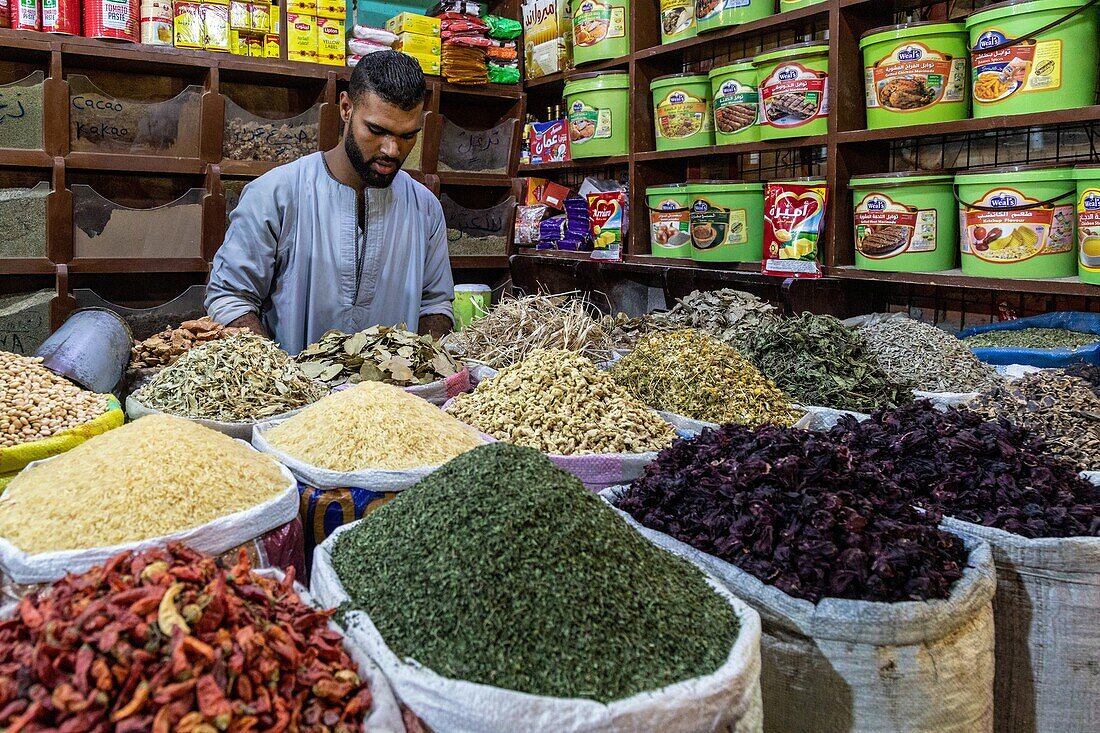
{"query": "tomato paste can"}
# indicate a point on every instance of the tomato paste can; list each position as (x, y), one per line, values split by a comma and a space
(61, 16)
(26, 15)
(115, 19)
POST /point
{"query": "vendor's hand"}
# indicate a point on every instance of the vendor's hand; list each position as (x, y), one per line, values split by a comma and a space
(252, 322)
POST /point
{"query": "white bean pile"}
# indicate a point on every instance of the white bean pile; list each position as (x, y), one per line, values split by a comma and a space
(35, 403)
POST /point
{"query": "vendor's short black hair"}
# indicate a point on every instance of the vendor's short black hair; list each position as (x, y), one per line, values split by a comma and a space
(394, 77)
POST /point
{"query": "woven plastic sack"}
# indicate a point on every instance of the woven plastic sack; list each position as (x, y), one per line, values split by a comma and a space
(436, 392)
(726, 700)
(1074, 321)
(238, 430)
(16, 458)
(331, 499)
(1047, 613)
(214, 538)
(844, 666)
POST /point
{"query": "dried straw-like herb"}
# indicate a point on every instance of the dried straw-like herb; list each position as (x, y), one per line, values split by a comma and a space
(692, 374)
(239, 379)
(798, 511)
(502, 569)
(817, 361)
(988, 472)
(519, 326)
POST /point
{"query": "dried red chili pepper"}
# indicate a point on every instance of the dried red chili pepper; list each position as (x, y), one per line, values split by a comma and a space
(90, 653)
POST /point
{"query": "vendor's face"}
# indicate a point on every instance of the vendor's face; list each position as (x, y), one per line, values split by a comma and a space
(378, 137)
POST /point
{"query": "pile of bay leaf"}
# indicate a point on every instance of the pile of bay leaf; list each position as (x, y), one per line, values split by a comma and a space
(378, 354)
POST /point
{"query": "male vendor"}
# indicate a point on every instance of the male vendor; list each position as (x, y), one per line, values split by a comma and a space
(343, 239)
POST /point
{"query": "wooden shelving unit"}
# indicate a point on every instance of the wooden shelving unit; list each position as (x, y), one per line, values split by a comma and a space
(847, 150)
(278, 87)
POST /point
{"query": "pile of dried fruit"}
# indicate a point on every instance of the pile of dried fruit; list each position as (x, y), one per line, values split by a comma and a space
(793, 509)
(930, 359)
(169, 640)
(378, 354)
(243, 378)
(516, 327)
(818, 361)
(35, 403)
(1062, 409)
(728, 315)
(560, 403)
(165, 347)
(692, 374)
(987, 472)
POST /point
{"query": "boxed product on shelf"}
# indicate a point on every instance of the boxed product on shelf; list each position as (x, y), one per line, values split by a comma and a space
(255, 46)
(548, 34)
(272, 46)
(187, 24)
(238, 43)
(215, 27)
(413, 23)
(334, 9)
(428, 63)
(546, 192)
(301, 41)
(414, 43)
(549, 142)
(794, 220)
(330, 41)
(260, 17)
(301, 7)
(240, 18)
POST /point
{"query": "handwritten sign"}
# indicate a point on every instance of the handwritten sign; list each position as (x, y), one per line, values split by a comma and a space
(25, 321)
(478, 222)
(483, 151)
(100, 122)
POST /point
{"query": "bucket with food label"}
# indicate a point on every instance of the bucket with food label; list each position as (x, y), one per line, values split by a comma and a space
(736, 103)
(726, 220)
(711, 14)
(794, 90)
(1017, 222)
(1088, 222)
(678, 20)
(915, 73)
(601, 30)
(682, 111)
(597, 105)
(1020, 56)
(905, 222)
(669, 220)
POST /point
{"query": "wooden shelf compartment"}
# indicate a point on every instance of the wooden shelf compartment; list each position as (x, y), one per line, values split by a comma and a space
(1078, 116)
(578, 164)
(1070, 286)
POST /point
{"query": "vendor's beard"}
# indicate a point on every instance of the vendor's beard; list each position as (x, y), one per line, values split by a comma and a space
(362, 166)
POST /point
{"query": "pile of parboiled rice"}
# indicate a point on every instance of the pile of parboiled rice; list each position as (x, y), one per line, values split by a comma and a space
(156, 476)
(372, 425)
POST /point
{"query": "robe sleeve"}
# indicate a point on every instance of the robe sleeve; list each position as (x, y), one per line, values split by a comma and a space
(439, 286)
(244, 266)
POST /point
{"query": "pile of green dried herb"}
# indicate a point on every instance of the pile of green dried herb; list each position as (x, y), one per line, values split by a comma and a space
(818, 361)
(987, 472)
(378, 354)
(242, 378)
(932, 360)
(692, 374)
(501, 569)
(728, 315)
(1062, 409)
(1032, 338)
(797, 511)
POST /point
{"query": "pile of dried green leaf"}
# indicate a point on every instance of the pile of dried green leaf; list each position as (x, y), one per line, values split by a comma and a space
(378, 354)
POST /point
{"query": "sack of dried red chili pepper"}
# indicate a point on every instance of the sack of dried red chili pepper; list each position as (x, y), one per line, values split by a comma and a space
(173, 640)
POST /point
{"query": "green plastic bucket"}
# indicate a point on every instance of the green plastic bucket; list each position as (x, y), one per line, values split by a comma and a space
(1018, 222)
(669, 220)
(678, 20)
(736, 103)
(1035, 74)
(726, 221)
(682, 111)
(598, 107)
(785, 5)
(794, 85)
(711, 14)
(601, 30)
(916, 73)
(1088, 222)
(905, 222)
